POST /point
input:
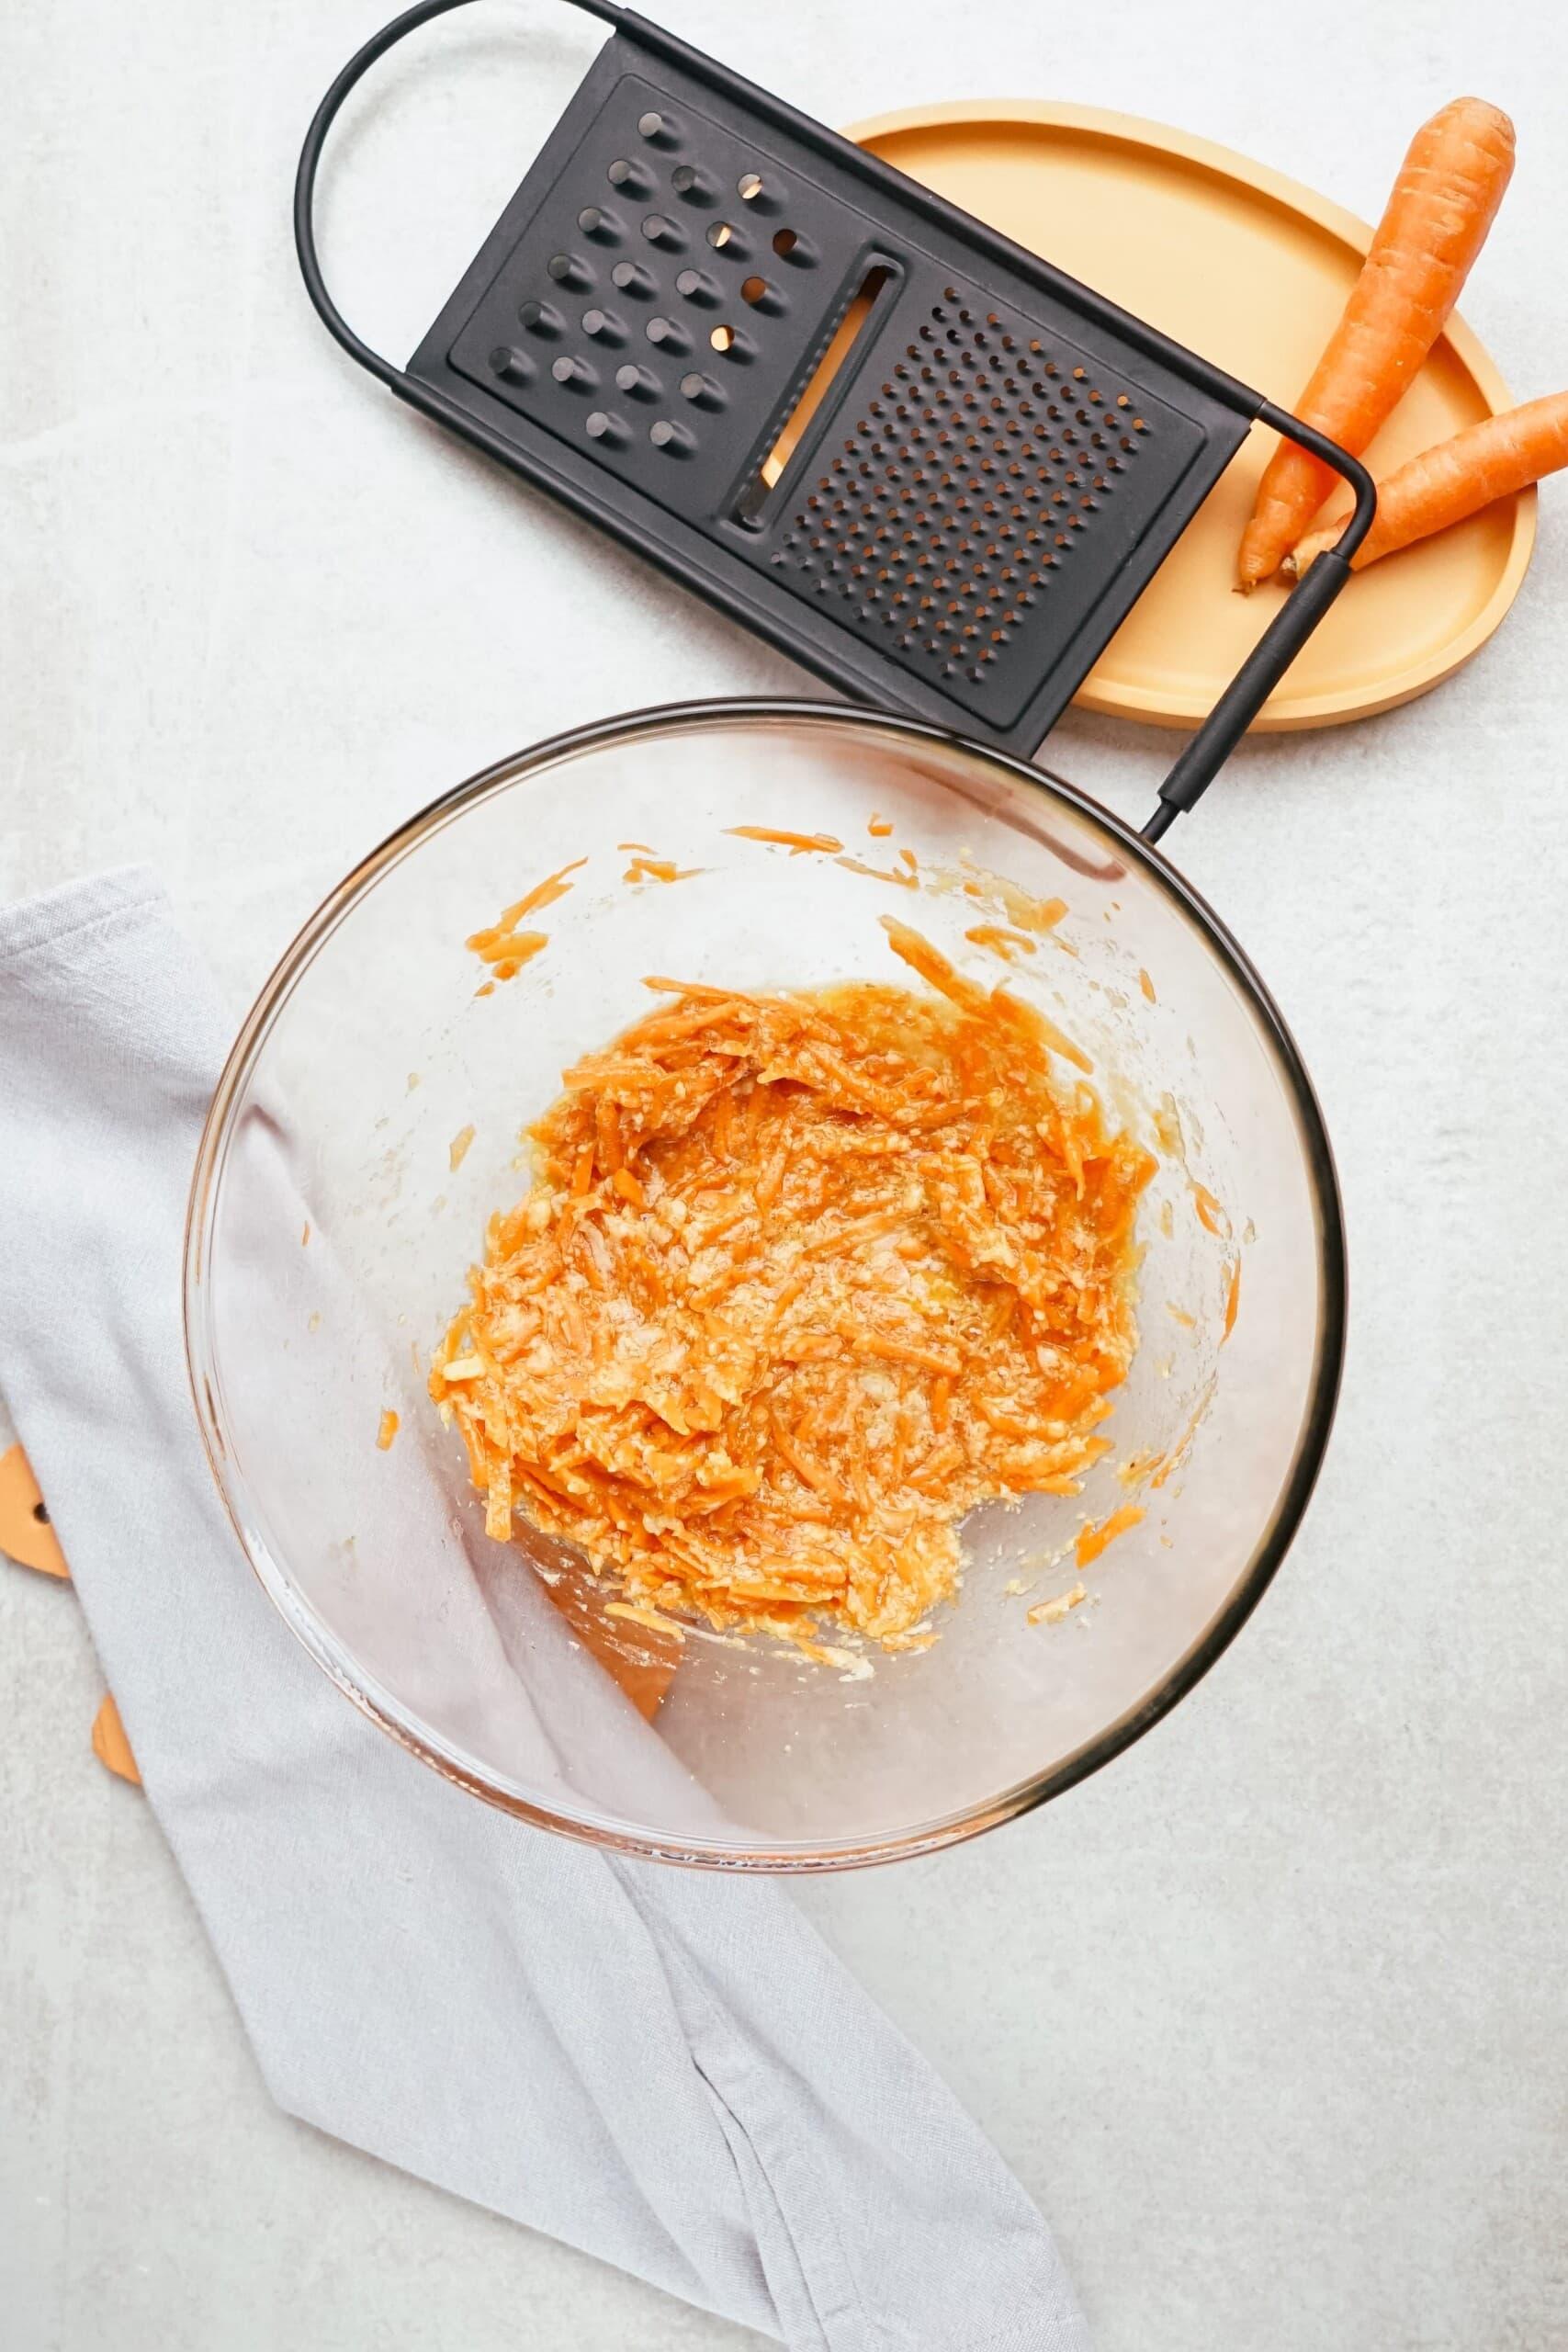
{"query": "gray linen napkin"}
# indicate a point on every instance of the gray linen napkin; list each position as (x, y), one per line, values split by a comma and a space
(666, 2068)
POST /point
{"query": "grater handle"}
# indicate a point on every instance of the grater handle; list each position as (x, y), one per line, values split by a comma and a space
(1203, 757)
(358, 65)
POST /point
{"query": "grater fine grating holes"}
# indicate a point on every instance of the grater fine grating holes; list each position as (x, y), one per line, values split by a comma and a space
(960, 506)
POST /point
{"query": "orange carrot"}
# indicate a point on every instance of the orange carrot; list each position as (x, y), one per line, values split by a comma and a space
(1093, 1541)
(1486, 461)
(1436, 223)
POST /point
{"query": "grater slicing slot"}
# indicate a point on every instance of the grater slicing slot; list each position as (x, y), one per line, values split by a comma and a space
(851, 331)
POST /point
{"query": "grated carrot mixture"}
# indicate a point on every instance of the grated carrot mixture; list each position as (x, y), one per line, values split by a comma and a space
(803, 1278)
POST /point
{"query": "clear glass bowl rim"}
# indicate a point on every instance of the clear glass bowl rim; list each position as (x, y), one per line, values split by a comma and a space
(1274, 1540)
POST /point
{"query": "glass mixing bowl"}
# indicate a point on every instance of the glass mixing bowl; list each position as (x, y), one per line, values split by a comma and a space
(335, 1213)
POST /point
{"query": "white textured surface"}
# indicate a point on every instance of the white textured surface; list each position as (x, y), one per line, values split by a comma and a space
(1269, 2017)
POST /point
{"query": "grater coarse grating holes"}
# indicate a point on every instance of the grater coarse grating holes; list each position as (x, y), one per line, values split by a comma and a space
(916, 457)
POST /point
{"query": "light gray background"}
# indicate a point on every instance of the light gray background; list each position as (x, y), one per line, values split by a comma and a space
(1269, 2017)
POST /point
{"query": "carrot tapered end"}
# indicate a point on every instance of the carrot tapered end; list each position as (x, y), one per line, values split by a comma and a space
(1293, 487)
(1305, 552)
(1254, 563)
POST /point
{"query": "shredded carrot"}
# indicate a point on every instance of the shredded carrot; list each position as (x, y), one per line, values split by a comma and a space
(1147, 986)
(501, 945)
(652, 1618)
(1008, 945)
(506, 952)
(1051, 1613)
(802, 1280)
(879, 828)
(794, 842)
(1027, 914)
(1211, 1216)
(542, 894)
(1443, 485)
(770, 1184)
(1027, 1020)
(1092, 1541)
(1233, 1300)
(1178, 1453)
(457, 1149)
(658, 869)
(305, 1234)
(872, 1343)
(387, 1431)
(878, 872)
(1444, 200)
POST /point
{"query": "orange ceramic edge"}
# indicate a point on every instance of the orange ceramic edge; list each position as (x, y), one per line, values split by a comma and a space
(110, 1744)
(32, 1544)
(1280, 715)
(29, 1541)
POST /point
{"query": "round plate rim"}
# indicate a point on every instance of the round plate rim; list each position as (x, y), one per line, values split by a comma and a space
(1283, 714)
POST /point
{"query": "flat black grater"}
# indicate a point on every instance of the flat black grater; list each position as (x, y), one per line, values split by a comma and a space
(916, 457)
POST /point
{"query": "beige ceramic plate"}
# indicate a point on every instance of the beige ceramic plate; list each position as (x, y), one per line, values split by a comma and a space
(1251, 270)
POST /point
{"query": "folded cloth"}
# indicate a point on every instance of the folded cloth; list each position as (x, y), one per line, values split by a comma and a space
(664, 2067)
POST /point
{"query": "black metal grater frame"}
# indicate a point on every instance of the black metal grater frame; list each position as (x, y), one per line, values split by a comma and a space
(916, 457)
